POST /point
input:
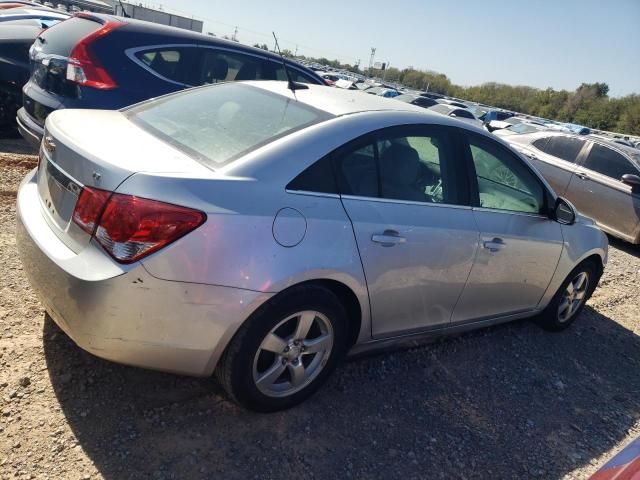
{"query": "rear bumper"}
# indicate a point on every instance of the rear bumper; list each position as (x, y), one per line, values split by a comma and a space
(122, 313)
(29, 129)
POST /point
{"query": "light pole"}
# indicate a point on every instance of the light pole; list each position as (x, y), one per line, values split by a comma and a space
(373, 54)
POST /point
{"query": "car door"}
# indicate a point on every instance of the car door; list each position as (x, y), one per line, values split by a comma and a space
(414, 228)
(597, 191)
(519, 245)
(556, 159)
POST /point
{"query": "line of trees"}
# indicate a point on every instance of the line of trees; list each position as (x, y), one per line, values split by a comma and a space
(589, 105)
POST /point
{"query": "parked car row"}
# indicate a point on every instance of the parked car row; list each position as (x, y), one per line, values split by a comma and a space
(264, 229)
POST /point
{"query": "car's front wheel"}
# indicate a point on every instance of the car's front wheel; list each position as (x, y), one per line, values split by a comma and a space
(570, 298)
(286, 350)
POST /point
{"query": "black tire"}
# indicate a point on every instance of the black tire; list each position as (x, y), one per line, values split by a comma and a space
(235, 370)
(550, 319)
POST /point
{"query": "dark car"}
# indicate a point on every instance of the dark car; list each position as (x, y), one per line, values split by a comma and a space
(425, 102)
(107, 62)
(435, 96)
(495, 115)
(15, 41)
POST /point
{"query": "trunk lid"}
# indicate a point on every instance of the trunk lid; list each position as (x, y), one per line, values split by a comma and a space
(98, 149)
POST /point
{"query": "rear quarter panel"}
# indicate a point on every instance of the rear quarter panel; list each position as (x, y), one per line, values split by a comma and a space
(236, 247)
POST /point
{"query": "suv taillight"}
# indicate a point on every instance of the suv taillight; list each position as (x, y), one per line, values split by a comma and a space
(84, 68)
(129, 227)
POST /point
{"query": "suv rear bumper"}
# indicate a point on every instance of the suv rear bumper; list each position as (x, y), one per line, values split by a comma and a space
(30, 130)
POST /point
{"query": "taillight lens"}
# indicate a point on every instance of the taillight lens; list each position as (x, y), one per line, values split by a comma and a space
(84, 68)
(133, 227)
(89, 207)
(130, 228)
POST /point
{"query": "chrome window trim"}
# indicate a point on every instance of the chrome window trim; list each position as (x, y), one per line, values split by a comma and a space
(131, 53)
(312, 194)
(511, 212)
(405, 202)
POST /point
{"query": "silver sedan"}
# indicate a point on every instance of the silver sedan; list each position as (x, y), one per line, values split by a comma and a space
(262, 233)
(600, 177)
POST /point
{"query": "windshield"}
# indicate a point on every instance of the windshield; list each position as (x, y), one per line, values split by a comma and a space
(220, 123)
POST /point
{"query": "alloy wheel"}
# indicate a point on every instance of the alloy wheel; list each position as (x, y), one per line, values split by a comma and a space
(573, 296)
(293, 354)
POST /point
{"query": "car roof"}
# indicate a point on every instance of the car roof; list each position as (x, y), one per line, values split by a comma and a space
(338, 101)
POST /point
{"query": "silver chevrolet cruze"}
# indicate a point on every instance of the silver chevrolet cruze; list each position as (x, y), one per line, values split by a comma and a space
(262, 233)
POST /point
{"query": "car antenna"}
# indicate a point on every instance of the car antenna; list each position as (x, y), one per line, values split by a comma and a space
(293, 86)
(124, 12)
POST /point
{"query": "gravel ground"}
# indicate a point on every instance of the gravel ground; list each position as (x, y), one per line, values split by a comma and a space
(505, 402)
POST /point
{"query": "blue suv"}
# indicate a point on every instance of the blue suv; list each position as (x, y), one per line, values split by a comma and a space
(108, 62)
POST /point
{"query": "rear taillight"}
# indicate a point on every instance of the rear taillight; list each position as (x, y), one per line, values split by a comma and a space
(89, 207)
(130, 228)
(84, 68)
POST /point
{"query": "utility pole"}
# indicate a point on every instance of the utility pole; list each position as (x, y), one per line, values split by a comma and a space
(295, 54)
(373, 54)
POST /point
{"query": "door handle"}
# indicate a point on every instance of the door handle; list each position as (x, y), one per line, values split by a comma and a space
(582, 175)
(494, 245)
(388, 239)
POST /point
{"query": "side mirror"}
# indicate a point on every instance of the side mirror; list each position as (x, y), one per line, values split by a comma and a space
(564, 212)
(632, 180)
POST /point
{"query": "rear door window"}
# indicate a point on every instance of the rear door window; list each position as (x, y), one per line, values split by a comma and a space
(276, 72)
(226, 66)
(172, 63)
(565, 148)
(357, 171)
(416, 164)
(608, 162)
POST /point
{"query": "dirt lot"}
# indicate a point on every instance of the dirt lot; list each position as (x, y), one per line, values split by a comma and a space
(506, 402)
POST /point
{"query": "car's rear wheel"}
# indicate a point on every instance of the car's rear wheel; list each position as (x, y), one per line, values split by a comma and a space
(570, 298)
(286, 350)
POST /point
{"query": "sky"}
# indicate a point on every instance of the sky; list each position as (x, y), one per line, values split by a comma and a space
(540, 43)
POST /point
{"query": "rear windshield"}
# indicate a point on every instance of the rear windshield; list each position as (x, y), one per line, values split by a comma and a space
(61, 38)
(220, 123)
